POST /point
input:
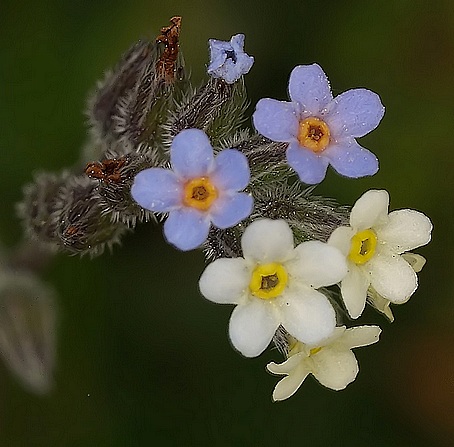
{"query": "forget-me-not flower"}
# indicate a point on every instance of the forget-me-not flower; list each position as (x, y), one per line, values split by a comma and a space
(275, 283)
(374, 245)
(228, 60)
(332, 362)
(199, 189)
(320, 129)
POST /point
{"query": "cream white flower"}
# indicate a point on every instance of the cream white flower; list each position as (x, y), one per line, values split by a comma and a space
(332, 362)
(373, 245)
(275, 283)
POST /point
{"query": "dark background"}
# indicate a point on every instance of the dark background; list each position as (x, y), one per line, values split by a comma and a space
(142, 357)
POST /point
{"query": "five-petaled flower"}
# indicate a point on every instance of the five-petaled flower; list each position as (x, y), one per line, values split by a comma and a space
(321, 130)
(197, 191)
(374, 245)
(332, 362)
(275, 284)
(228, 60)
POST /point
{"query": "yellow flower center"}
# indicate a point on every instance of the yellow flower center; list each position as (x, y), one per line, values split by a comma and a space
(314, 134)
(363, 246)
(268, 280)
(314, 350)
(199, 193)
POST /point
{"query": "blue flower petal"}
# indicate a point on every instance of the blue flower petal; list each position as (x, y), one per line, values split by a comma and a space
(231, 172)
(311, 168)
(157, 189)
(355, 113)
(231, 71)
(229, 210)
(309, 87)
(352, 160)
(276, 120)
(191, 154)
(218, 53)
(237, 43)
(186, 228)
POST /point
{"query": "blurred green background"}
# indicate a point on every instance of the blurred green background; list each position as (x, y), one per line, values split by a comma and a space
(142, 358)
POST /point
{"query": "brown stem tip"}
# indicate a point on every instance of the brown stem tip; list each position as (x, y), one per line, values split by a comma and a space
(169, 37)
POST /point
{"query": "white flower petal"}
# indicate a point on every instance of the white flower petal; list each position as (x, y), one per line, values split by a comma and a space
(335, 369)
(225, 281)
(288, 366)
(341, 239)
(381, 304)
(416, 261)
(252, 327)
(370, 209)
(336, 335)
(405, 230)
(307, 315)
(358, 336)
(288, 386)
(354, 290)
(392, 277)
(267, 240)
(317, 264)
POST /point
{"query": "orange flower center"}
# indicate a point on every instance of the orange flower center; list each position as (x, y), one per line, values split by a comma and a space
(199, 193)
(314, 134)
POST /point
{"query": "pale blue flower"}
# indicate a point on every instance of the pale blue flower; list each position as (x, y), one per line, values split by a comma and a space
(320, 129)
(228, 61)
(197, 191)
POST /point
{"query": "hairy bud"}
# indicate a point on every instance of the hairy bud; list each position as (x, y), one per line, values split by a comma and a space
(135, 99)
(28, 328)
(81, 226)
(37, 206)
(115, 174)
(103, 104)
(217, 108)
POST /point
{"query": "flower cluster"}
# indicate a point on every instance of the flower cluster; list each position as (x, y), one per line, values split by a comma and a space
(278, 287)
(295, 265)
